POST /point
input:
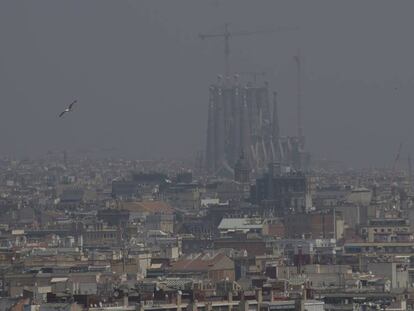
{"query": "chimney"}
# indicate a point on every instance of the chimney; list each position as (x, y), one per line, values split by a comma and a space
(259, 296)
(230, 296)
(179, 301)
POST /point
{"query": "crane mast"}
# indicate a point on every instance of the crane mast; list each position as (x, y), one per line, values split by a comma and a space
(226, 35)
(395, 163)
(410, 174)
(298, 60)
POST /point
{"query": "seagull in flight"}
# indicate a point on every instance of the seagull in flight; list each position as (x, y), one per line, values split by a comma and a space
(69, 109)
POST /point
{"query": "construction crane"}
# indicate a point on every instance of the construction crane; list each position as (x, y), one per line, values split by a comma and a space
(410, 174)
(394, 165)
(298, 61)
(226, 35)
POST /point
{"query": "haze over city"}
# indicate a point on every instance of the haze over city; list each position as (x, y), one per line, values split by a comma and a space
(141, 74)
(206, 155)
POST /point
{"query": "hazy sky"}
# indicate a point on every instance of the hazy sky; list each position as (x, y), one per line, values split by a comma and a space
(141, 74)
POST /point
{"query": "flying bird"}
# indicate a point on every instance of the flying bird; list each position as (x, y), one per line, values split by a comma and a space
(69, 109)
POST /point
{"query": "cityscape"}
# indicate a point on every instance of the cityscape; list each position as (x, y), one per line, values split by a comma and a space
(113, 209)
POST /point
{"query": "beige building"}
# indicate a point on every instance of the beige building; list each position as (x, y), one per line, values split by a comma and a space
(157, 215)
(186, 197)
(101, 234)
(387, 230)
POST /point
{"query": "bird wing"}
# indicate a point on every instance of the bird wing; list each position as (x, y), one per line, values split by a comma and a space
(62, 113)
(71, 105)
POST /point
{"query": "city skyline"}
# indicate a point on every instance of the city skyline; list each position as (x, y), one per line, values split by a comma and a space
(206, 155)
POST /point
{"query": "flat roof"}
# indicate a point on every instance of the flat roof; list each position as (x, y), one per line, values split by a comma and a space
(380, 244)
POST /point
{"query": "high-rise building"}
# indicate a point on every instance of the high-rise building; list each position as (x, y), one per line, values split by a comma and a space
(282, 191)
